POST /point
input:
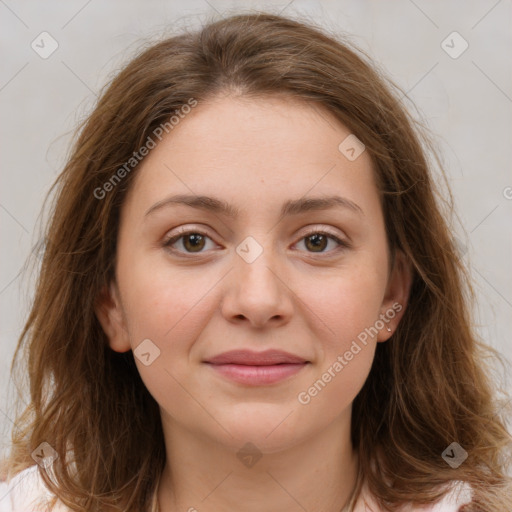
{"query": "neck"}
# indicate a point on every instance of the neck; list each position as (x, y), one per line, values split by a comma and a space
(202, 474)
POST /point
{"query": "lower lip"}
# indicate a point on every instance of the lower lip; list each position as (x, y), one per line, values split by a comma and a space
(257, 375)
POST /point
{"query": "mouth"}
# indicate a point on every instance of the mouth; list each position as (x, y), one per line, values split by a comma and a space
(257, 368)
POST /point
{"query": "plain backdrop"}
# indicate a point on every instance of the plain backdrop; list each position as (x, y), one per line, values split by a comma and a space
(465, 96)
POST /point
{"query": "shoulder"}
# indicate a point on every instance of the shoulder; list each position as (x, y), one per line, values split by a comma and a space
(26, 492)
(457, 494)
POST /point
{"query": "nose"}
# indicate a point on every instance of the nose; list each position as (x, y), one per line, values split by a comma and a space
(258, 293)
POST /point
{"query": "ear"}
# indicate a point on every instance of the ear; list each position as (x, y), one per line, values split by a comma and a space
(109, 312)
(396, 296)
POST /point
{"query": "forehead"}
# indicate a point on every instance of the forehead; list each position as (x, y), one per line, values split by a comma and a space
(254, 152)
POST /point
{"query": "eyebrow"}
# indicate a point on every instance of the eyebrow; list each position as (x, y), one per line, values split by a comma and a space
(290, 207)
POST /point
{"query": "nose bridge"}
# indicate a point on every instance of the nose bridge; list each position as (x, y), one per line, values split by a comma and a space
(256, 264)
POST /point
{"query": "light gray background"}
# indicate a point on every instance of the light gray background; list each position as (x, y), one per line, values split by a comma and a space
(466, 101)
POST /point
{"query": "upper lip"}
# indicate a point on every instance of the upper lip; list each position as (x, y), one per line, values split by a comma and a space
(250, 358)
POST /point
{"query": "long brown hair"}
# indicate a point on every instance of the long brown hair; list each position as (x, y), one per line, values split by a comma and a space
(429, 385)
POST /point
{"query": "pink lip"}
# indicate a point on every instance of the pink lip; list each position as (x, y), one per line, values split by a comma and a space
(258, 375)
(248, 357)
(257, 368)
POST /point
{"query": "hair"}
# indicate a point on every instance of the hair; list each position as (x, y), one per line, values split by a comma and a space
(430, 384)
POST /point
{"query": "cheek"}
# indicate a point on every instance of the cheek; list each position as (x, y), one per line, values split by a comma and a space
(162, 303)
(348, 308)
(334, 390)
(345, 304)
(171, 311)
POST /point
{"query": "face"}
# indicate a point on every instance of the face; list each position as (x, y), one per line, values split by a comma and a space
(194, 282)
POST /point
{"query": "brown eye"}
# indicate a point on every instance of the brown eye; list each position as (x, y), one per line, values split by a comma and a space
(317, 242)
(191, 242)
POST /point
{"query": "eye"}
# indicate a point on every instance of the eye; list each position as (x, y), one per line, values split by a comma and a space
(192, 241)
(195, 241)
(317, 242)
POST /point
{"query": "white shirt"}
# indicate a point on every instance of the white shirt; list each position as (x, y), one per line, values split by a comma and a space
(26, 492)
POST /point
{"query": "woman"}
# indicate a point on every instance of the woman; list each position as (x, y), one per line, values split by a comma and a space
(250, 298)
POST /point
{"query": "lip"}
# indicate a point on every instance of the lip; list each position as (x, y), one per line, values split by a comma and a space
(249, 357)
(257, 368)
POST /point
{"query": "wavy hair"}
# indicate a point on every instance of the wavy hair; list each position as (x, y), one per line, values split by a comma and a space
(430, 384)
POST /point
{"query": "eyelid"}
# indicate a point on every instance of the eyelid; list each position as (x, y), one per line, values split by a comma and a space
(182, 230)
(319, 228)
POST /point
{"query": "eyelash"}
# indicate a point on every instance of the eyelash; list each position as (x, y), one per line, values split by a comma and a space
(172, 240)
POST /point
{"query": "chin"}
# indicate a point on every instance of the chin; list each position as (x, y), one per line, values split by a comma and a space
(270, 427)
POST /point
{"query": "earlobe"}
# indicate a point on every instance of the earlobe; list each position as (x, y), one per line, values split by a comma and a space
(110, 315)
(396, 296)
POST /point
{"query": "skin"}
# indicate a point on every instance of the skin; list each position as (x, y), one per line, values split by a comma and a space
(254, 154)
